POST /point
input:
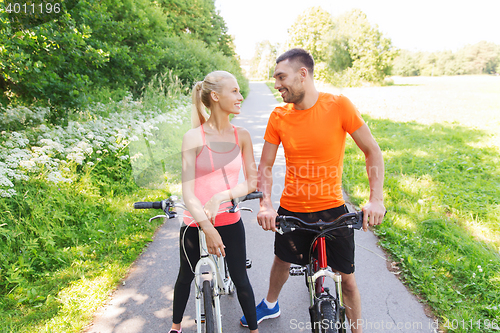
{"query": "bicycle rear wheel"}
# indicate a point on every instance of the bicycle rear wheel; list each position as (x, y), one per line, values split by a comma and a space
(209, 307)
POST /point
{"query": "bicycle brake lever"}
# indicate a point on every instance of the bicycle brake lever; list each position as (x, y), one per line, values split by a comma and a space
(247, 209)
(157, 217)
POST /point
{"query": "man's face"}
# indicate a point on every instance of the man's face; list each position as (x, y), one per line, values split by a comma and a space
(288, 82)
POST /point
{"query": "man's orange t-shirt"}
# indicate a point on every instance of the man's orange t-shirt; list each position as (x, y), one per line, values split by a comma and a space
(314, 142)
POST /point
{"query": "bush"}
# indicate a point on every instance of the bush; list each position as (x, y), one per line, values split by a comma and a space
(191, 60)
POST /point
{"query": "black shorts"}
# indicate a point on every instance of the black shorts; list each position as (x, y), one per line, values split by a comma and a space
(293, 247)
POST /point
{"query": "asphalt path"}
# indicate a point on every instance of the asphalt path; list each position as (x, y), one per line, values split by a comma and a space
(143, 301)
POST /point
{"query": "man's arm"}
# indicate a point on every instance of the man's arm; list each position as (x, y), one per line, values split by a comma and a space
(267, 215)
(374, 210)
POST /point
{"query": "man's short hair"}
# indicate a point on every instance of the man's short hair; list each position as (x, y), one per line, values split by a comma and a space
(300, 56)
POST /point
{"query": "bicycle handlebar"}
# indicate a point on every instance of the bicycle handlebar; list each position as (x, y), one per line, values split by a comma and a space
(167, 204)
(148, 205)
(291, 223)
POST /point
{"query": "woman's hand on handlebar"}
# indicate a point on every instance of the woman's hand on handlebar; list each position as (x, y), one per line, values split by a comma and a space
(214, 242)
(267, 217)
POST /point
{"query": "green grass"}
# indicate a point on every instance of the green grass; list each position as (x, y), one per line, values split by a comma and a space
(72, 246)
(442, 192)
(72, 249)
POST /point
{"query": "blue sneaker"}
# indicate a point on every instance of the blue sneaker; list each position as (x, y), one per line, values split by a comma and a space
(263, 312)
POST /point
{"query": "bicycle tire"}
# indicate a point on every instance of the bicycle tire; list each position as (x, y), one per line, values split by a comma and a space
(209, 307)
(328, 317)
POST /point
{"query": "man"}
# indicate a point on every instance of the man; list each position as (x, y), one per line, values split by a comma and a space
(312, 128)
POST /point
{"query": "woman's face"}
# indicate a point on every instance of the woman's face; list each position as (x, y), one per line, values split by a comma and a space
(229, 97)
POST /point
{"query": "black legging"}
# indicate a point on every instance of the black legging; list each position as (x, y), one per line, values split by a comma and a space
(233, 237)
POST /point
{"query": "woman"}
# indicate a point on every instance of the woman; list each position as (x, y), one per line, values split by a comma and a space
(213, 153)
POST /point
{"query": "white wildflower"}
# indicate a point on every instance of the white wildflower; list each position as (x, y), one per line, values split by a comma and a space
(27, 164)
(77, 157)
(4, 181)
(56, 177)
(124, 157)
(136, 156)
(7, 193)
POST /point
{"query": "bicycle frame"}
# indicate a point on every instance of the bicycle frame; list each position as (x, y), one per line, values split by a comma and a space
(317, 269)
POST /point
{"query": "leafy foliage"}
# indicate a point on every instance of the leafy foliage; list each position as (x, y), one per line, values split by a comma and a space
(200, 19)
(480, 58)
(111, 45)
(190, 60)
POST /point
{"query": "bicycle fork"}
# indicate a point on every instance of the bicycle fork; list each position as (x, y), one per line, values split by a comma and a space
(317, 291)
(321, 271)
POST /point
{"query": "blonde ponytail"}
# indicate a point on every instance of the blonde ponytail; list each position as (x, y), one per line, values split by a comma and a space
(201, 95)
(198, 114)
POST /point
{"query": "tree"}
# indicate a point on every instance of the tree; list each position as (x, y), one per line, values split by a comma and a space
(308, 32)
(480, 58)
(199, 18)
(406, 64)
(264, 60)
(370, 54)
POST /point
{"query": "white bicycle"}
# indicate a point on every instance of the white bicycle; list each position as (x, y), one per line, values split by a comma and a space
(212, 277)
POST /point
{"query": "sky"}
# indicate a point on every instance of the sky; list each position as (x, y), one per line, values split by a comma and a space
(424, 25)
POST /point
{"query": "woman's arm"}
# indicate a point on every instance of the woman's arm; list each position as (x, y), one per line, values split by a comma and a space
(193, 204)
(249, 185)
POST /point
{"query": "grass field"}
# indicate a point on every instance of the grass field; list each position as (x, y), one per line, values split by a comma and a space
(470, 101)
(440, 138)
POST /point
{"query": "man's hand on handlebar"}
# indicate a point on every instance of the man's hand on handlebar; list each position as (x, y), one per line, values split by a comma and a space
(373, 214)
(267, 217)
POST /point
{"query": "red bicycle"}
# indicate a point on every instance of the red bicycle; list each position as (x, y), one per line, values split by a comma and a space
(326, 309)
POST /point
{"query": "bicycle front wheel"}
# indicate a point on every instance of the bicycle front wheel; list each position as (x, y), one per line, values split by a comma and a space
(209, 307)
(228, 277)
(329, 322)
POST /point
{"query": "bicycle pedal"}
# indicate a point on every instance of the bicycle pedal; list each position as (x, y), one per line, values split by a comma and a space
(249, 263)
(297, 270)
